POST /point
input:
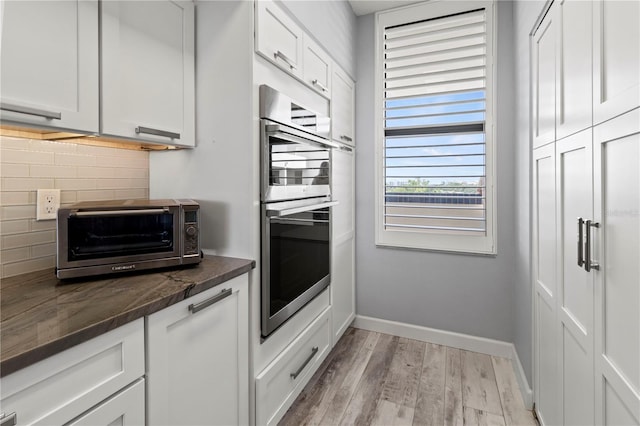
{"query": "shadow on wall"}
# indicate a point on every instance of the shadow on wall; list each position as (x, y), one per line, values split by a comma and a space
(213, 220)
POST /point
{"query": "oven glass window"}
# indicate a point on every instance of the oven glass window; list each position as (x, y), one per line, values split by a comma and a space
(299, 250)
(297, 164)
(92, 237)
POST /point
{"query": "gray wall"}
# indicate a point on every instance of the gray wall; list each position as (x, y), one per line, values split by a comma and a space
(332, 23)
(454, 292)
(525, 14)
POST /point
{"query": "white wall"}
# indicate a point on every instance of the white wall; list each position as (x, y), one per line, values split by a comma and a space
(332, 23)
(218, 173)
(454, 292)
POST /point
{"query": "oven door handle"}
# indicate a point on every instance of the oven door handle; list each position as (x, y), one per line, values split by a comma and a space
(293, 135)
(275, 212)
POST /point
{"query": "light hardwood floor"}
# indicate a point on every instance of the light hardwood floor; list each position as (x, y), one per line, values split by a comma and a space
(371, 378)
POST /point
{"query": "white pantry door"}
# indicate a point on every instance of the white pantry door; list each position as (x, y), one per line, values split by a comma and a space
(576, 292)
(617, 208)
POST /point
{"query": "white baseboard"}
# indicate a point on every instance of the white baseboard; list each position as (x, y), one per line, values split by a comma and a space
(454, 340)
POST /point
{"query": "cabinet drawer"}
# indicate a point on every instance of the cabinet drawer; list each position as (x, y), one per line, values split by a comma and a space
(278, 38)
(59, 388)
(280, 383)
(126, 408)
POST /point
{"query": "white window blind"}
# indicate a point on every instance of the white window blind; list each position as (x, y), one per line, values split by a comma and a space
(435, 128)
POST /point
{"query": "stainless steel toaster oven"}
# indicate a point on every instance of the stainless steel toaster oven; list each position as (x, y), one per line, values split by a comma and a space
(107, 237)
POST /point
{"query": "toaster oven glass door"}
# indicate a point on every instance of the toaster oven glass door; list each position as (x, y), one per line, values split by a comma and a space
(129, 234)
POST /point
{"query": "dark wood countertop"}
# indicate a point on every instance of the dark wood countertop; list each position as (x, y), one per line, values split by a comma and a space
(41, 315)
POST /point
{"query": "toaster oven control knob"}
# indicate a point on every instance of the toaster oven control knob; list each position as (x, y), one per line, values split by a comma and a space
(191, 231)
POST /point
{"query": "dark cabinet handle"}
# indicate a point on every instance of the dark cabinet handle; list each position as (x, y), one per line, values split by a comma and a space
(51, 115)
(8, 419)
(580, 242)
(295, 375)
(156, 132)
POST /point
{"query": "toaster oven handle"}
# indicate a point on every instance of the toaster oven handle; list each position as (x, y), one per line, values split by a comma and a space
(119, 212)
(271, 212)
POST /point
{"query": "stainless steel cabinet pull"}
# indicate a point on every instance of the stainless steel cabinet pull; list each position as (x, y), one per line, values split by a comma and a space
(31, 111)
(196, 307)
(8, 419)
(285, 58)
(156, 132)
(119, 212)
(588, 263)
(314, 351)
(346, 138)
(319, 85)
(580, 242)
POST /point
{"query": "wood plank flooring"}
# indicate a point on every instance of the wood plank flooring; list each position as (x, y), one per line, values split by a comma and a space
(371, 378)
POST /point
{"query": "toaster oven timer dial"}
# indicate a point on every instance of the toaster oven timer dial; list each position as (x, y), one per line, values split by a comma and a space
(191, 243)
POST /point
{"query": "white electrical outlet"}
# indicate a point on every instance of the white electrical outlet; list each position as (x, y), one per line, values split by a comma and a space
(47, 204)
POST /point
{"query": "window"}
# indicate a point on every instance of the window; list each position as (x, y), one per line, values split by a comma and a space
(435, 149)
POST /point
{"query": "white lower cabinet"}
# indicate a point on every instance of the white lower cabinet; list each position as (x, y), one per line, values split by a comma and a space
(123, 409)
(57, 390)
(281, 382)
(197, 359)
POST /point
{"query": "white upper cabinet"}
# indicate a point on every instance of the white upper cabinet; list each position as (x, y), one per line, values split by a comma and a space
(317, 67)
(616, 65)
(49, 64)
(342, 107)
(147, 80)
(544, 80)
(574, 80)
(278, 38)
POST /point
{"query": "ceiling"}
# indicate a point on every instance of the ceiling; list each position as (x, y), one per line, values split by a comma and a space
(365, 7)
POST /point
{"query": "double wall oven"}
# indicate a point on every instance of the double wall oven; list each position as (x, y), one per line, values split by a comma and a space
(295, 202)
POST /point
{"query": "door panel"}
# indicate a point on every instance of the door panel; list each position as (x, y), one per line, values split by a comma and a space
(616, 65)
(617, 208)
(544, 259)
(574, 200)
(544, 84)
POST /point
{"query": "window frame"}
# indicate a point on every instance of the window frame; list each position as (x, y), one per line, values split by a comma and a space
(483, 245)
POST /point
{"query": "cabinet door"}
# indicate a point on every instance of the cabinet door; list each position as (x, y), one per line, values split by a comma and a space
(545, 288)
(317, 67)
(574, 100)
(126, 408)
(342, 107)
(49, 64)
(343, 303)
(148, 71)
(544, 80)
(575, 285)
(342, 190)
(616, 65)
(278, 38)
(617, 209)
(197, 359)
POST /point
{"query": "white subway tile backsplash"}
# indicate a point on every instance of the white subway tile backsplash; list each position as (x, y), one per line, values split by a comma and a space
(15, 170)
(16, 198)
(8, 227)
(17, 212)
(42, 250)
(97, 195)
(51, 146)
(52, 171)
(81, 172)
(17, 268)
(14, 255)
(25, 184)
(25, 157)
(75, 159)
(27, 240)
(98, 172)
(75, 184)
